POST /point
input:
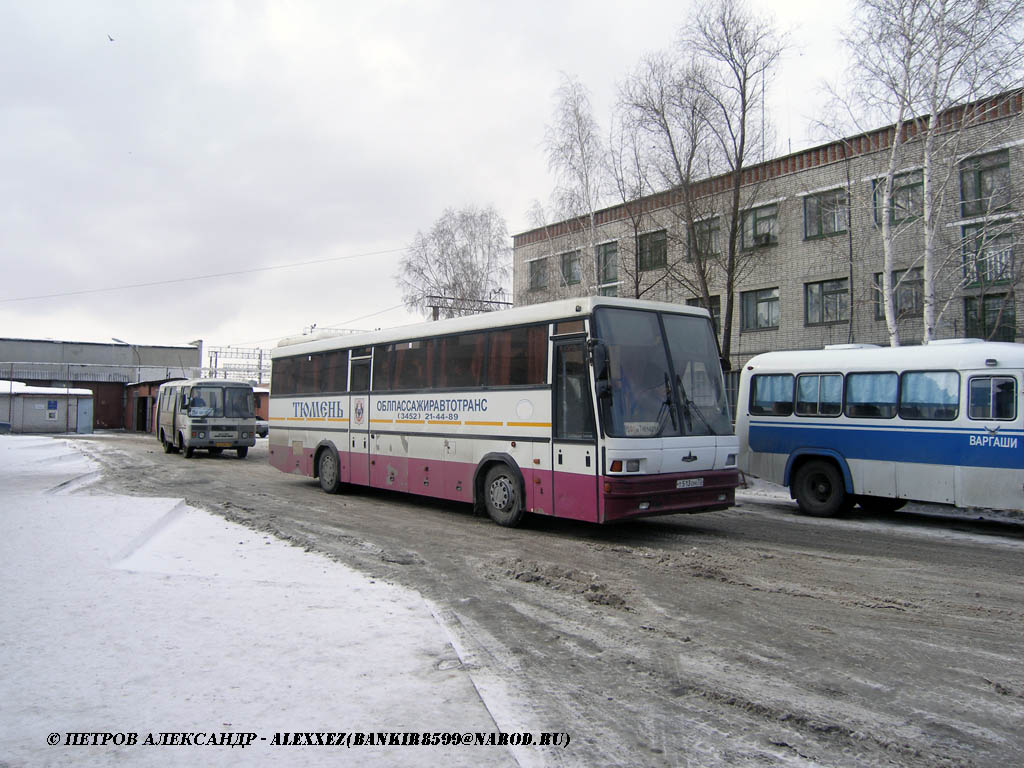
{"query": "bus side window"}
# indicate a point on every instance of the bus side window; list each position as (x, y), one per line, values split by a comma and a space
(460, 361)
(932, 395)
(334, 371)
(871, 395)
(383, 361)
(360, 376)
(819, 394)
(771, 395)
(992, 398)
(518, 356)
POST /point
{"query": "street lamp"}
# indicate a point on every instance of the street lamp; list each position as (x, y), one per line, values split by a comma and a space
(138, 357)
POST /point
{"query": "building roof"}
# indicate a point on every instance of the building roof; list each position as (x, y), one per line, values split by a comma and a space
(984, 110)
(98, 343)
(20, 388)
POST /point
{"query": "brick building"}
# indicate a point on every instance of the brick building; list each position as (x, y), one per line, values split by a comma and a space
(810, 243)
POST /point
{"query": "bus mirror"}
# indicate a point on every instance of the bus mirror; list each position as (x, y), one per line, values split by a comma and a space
(599, 359)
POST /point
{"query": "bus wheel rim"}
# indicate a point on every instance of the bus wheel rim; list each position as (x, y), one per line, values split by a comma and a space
(501, 493)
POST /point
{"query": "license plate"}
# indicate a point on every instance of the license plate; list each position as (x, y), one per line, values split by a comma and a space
(223, 445)
(690, 482)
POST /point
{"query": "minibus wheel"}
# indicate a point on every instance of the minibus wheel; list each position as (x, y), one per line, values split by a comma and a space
(186, 450)
(242, 452)
(819, 489)
(502, 496)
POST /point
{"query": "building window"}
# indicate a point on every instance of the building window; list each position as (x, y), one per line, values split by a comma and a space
(991, 317)
(607, 255)
(907, 197)
(705, 239)
(571, 267)
(988, 253)
(825, 214)
(653, 248)
(827, 302)
(760, 227)
(759, 309)
(908, 296)
(985, 183)
(538, 274)
(715, 309)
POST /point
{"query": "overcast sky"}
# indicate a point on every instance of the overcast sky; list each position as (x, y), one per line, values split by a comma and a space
(216, 137)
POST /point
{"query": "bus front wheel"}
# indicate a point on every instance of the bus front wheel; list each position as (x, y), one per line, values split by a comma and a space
(242, 452)
(186, 450)
(819, 489)
(327, 469)
(502, 496)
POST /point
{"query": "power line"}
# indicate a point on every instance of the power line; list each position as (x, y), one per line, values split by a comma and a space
(332, 325)
(200, 277)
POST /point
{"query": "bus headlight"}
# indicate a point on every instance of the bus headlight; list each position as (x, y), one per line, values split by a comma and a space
(730, 460)
(245, 434)
(633, 465)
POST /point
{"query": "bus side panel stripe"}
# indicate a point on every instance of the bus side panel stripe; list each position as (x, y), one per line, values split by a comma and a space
(967, 449)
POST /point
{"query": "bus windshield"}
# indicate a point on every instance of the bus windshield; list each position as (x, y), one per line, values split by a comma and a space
(221, 402)
(661, 375)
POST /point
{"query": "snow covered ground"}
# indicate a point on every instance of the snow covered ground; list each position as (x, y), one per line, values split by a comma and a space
(144, 616)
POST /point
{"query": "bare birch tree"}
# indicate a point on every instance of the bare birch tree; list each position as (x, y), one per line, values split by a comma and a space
(665, 107)
(915, 64)
(576, 155)
(465, 258)
(741, 50)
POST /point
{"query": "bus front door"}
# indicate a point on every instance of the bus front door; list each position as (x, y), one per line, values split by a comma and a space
(574, 436)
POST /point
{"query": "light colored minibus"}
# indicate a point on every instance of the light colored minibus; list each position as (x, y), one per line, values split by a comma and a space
(212, 414)
(882, 426)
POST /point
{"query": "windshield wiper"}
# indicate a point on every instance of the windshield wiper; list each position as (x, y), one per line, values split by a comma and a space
(668, 404)
(687, 402)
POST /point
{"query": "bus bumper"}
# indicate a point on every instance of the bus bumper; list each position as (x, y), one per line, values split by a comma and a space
(646, 495)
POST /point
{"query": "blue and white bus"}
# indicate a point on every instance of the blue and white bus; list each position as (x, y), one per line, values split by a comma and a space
(881, 426)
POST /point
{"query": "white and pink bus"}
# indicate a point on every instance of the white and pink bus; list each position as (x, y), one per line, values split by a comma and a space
(595, 409)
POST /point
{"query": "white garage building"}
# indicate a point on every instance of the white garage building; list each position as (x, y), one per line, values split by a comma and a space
(32, 410)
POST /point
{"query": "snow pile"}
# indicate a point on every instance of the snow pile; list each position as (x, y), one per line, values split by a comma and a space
(145, 615)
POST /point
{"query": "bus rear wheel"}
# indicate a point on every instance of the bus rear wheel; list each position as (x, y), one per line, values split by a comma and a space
(327, 469)
(168, 445)
(502, 496)
(819, 490)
